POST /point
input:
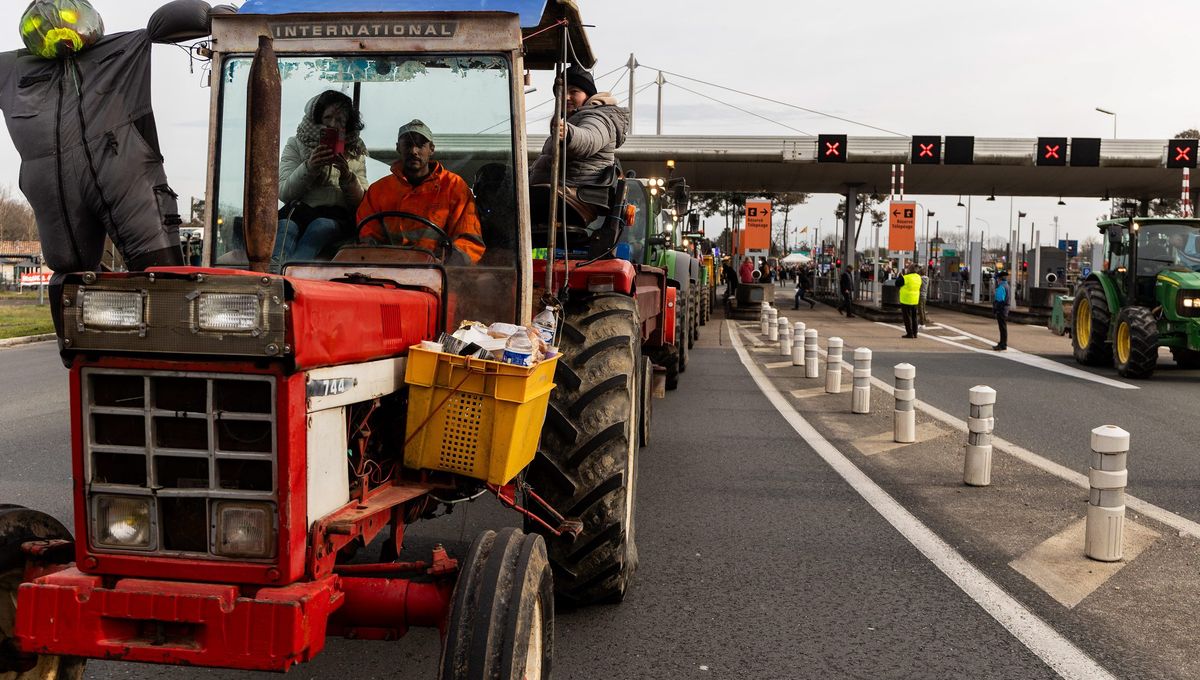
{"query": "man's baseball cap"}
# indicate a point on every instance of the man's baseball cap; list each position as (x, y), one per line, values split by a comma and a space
(417, 127)
(1003, 274)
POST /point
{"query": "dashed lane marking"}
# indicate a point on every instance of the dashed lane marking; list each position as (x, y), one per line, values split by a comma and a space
(780, 364)
(810, 392)
(1059, 566)
(1020, 357)
(1049, 645)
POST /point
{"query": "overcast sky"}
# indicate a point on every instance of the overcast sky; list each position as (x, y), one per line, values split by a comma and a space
(1014, 69)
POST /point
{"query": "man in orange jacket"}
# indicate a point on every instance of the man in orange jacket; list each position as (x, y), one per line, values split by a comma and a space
(422, 186)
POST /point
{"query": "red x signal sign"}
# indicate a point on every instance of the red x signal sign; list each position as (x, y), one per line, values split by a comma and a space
(926, 150)
(1182, 153)
(1052, 151)
(831, 148)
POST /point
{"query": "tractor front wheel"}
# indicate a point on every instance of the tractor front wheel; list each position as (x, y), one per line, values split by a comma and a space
(1089, 325)
(586, 466)
(682, 330)
(1135, 348)
(19, 525)
(502, 615)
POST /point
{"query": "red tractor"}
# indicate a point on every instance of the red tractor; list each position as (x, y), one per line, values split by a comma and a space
(239, 437)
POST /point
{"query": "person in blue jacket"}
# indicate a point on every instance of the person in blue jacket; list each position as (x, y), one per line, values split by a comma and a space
(1000, 305)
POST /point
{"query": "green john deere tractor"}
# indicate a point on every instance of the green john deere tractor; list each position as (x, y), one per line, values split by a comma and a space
(1147, 296)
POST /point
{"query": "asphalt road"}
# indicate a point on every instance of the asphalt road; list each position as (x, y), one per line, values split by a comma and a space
(757, 560)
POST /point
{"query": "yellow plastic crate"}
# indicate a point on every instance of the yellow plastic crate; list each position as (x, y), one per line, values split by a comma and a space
(473, 417)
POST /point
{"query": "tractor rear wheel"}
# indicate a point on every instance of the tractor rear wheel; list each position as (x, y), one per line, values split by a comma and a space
(1089, 325)
(19, 525)
(1187, 359)
(586, 466)
(1135, 349)
(502, 613)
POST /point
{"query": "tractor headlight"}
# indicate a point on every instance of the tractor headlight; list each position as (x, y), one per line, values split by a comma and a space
(229, 313)
(244, 529)
(111, 310)
(1189, 303)
(122, 522)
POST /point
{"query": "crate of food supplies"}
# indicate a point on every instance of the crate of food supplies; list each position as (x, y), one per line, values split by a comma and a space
(474, 414)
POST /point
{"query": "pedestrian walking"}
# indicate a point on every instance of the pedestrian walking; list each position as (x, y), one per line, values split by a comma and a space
(910, 301)
(1000, 306)
(846, 285)
(924, 319)
(803, 285)
(730, 276)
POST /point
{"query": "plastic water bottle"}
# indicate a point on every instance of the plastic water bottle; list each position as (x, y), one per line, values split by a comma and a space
(546, 324)
(518, 351)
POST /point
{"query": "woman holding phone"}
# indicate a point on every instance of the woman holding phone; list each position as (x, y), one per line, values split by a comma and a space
(322, 177)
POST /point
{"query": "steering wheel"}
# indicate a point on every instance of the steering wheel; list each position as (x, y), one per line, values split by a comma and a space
(443, 237)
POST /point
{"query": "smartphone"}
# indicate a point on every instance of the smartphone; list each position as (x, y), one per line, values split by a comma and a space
(333, 139)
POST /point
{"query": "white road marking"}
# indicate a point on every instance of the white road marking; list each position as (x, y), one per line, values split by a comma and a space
(780, 364)
(1056, 651)
(1020, 357)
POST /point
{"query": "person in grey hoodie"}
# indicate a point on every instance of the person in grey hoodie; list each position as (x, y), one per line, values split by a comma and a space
(595, 128)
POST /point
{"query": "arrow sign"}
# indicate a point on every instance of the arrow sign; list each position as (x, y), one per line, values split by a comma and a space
(902, 226)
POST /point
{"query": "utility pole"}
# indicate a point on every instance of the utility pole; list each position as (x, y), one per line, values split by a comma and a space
(632, 65)
(660, 81)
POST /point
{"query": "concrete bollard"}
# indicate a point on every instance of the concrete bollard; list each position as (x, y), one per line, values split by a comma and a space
(977, 468)
(764, 314)
(1104, 535)
(906, 412)
(772, 325)
(860, 400)
(785, 337)
(811, 369)
(833, 366)
(798, 344)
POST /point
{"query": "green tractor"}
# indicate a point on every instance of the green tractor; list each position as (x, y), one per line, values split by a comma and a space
(1146, 297)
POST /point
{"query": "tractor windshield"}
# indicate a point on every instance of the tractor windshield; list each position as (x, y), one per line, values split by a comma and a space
(464, 101)
(1162, 245)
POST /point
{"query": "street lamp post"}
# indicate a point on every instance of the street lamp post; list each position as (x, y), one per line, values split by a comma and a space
(1114, 117)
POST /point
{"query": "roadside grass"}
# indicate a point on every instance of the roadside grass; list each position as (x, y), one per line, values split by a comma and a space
(21, 320)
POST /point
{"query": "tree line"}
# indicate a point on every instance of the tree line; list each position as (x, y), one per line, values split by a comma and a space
(16, 217)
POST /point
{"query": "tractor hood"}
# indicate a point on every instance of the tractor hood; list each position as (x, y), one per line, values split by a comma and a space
(1187, 280)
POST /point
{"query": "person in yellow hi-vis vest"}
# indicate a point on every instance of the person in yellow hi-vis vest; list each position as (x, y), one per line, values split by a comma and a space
(910, 300)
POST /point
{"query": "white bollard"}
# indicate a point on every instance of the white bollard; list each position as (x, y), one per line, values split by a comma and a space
(785, 337)
(764, 313)
(1104, 535)
(811, 369)
(977, 468)
(860, 400)
(833, 366)
(906, 412)
(772, 325)
(798, 344)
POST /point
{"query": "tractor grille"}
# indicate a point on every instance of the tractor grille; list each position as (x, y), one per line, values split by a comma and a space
(186, 441)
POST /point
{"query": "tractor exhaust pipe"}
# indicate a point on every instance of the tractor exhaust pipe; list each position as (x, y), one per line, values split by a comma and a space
(261, 205)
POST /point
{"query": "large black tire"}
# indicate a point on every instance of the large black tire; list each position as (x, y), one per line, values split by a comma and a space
(670, 361)
(694, 313)
(1187, 359)
(682, 324)
(1089, 325)
(1135, 350)
(702, 298)
(501, 623)
(586, 466)
(645, 400)
(19, 525)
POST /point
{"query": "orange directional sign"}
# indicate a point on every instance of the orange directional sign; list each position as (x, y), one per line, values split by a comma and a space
(757, 235)
(902, 226)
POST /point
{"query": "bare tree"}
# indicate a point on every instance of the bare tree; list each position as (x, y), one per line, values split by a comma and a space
(16, 217)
